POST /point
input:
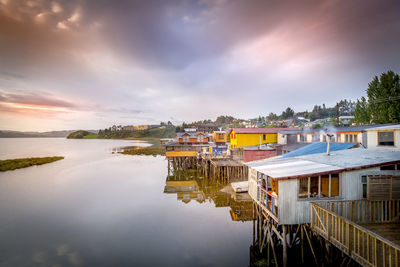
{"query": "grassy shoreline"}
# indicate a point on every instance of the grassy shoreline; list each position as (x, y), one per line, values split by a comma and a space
(13, 164)
(155, 149)
(148, 151)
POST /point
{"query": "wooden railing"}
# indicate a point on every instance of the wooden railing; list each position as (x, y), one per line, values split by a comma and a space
(267, 205)
(365, 211)
(367, 248)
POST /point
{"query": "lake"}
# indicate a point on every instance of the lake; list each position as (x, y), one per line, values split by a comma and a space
(99, 208)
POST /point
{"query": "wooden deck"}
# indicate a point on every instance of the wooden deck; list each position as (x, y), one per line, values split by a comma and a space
(389, 231)
(365, 230)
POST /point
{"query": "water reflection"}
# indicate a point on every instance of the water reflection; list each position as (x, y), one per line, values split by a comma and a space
(96, 208)
(189, 185)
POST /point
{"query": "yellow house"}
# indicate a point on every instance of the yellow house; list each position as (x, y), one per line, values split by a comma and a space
(240, 137)
(219, 136)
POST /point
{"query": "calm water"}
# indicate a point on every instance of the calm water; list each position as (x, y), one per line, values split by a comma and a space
(96, 208)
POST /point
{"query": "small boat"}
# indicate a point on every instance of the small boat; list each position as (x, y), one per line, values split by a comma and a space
(240, 187)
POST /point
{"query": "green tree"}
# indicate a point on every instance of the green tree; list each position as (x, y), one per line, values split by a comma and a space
(288, 113)
(361, 113)
(272, 117)
(384, 98)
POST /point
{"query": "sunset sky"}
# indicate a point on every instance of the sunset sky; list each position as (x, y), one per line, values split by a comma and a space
(89, 64)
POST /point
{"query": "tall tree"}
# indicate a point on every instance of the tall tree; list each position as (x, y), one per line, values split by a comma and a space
(288, 113)
(272, 117)
(384, 98)
(361, 113)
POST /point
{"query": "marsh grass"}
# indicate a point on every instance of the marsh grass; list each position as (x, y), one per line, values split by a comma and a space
(150, 151)
(12, 164)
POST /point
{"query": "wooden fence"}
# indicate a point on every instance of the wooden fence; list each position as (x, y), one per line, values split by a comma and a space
(337, 222)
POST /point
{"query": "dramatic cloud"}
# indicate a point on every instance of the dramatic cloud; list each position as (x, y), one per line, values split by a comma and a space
(94, 63)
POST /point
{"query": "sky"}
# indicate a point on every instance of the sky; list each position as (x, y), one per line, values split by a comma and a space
(90, 64)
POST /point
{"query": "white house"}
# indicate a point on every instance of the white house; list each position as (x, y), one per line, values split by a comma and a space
(285, 187)
(384, 137)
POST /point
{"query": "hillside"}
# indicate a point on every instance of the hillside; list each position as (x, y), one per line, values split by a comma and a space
(161, 132)
(17, 134)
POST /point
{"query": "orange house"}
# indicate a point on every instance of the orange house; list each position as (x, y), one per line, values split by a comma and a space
(192, 138)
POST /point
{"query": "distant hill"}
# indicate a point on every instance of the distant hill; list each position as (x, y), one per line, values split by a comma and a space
(81, 134)
(17, 134)
(161, 132)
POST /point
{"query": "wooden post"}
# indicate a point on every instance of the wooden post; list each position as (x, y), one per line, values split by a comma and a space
(302, 244)
(284, 245)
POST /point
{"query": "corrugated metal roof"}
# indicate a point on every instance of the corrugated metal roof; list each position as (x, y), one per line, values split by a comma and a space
(260, 130)
(342, 129)
(317, 164)
(315, 148)
(388, 127)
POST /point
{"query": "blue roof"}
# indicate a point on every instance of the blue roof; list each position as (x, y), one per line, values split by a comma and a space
(315, 148)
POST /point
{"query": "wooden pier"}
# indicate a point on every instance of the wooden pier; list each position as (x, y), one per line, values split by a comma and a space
(221, 167)
(367, 231)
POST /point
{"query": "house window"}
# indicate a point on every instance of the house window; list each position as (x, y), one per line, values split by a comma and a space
(303, 188)
(364, 186)
(319, 186)
(388, 167)
(264, 137)
(386, 138)
(303, 138)
(314, 185)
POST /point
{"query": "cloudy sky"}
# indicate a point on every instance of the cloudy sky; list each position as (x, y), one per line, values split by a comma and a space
(89, 64)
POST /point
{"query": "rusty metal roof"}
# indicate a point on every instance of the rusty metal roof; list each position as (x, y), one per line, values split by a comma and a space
(260, 130)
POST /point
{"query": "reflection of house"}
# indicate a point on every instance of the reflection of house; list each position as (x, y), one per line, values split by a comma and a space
(240, 137)
(186, 190)
(385, 137)
(285, 187)
(242, 211)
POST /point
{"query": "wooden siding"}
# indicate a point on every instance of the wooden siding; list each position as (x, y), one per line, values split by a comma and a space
(287, 212)
(251, 155)
(253, 183)
(240, 140)
(383, 188)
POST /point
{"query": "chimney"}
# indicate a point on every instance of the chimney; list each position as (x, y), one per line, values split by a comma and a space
(328, 141)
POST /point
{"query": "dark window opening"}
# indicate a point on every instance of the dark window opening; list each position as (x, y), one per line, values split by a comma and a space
(386, 138)
(388, 167)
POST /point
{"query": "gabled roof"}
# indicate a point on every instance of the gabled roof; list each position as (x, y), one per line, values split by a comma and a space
(319, 164)
(190, 134)
(319, 147)
(260, 130)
